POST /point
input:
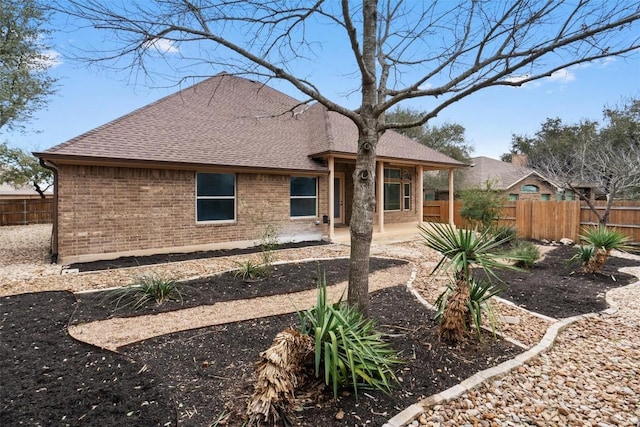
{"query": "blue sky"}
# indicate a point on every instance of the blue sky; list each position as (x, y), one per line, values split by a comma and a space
(88, 97)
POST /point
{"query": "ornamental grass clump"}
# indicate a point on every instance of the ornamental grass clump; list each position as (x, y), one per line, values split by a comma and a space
(461, 249)
(600, 241)
(152, 288)
(526, 253)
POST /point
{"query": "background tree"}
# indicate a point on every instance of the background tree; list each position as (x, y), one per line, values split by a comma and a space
(391, 51)
(20, 169)
(448, 138)
(587, 157)
(24, 83)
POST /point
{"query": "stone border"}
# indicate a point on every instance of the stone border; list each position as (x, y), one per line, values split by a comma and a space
(413, 412)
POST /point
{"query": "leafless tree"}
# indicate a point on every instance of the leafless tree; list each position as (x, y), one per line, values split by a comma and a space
(443, 51)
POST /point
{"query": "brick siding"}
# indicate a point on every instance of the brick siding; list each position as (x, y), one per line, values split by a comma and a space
(104, 212)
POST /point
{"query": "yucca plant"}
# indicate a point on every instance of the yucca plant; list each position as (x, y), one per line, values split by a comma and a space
(603, 240)
(480, 294)
(461, 249)
(144, 290)
(347, 346)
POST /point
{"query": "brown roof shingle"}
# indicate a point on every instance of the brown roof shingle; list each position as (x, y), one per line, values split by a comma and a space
(231, 121)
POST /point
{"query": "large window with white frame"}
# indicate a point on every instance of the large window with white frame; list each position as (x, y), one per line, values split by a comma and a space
(303, 196)
(215, 197)
(397, 189)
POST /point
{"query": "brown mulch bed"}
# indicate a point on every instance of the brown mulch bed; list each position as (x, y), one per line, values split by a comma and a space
(194, 377)
(558, 288)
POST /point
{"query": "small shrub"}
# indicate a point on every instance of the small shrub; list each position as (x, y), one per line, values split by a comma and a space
(249, 270)
(584, 254)
(504, 233)
(347, 347)
(526, 254)
(146, 289)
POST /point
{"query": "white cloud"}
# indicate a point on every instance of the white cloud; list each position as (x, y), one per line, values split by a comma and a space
(49, 59)
(563, 75)
(517, 79)
(162, 46)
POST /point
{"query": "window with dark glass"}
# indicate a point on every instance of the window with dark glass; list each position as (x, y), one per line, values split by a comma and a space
(397, 189)
(215, 197)
(304, 196)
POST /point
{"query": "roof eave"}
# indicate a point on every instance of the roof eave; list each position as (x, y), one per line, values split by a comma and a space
(61, 159)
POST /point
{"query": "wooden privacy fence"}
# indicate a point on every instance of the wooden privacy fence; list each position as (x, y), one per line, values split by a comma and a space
(26, 211)
(550, 220)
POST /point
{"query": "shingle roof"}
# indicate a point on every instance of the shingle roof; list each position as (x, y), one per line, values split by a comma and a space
(502, 175)
(231, 121)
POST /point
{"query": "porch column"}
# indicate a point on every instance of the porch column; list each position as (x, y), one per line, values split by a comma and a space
(380, 200)
(331, 164)
(420, 194)
(451, 198)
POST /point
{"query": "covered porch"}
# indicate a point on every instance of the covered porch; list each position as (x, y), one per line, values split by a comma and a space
(398, 212)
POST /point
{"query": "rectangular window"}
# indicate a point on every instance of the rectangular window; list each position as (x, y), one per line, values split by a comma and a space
(215, 197)
(407, 196)
(397, 189)
(304, 196)
(392, 191)
(513, 197)
(545, 196)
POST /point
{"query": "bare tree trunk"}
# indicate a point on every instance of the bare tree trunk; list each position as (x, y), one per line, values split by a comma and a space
(361, 225)
(602, 220)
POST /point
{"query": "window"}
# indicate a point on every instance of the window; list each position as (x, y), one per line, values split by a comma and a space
(545, 197)
(529, 188)
(569, 195)
(397, 189)
(513, 197)
(215, 197)
(304, 196)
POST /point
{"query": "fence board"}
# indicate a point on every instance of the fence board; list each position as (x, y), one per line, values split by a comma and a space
(551, 220)
(26, 211)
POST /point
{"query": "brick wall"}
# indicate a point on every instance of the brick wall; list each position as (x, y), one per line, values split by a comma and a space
(544, 188)
(105, 212)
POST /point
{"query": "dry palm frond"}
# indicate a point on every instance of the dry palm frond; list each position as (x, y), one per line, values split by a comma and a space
(278, 376)
(455, 318)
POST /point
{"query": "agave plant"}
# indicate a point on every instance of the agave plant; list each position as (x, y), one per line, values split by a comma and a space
(602, 240)
(461, 249)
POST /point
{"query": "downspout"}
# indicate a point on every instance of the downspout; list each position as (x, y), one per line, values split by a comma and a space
(54, 231)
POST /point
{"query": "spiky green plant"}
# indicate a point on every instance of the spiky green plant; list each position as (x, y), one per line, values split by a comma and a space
(249, 270)
(461, 249)
(603, 240)
(347, 346)
(144, 290)
(504, 233)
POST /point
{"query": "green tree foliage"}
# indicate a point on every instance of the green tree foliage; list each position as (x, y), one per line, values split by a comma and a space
(20, 169)
(24, 83)
(589, 157)
(482, 207)
(448, 138)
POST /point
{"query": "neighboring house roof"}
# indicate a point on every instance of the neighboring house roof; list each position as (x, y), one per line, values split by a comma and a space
(502, 175)
(228, 121)
(7, 190)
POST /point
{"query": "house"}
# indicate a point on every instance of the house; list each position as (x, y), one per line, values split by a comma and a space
(515, 179)
(212, 165)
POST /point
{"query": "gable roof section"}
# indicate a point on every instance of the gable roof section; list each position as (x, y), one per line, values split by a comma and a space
(228, 121)
(503, 175)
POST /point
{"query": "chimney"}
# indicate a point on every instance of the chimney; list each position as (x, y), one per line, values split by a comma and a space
(519, 160)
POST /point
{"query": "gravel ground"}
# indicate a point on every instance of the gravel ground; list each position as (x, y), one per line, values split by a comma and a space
(590, 377)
